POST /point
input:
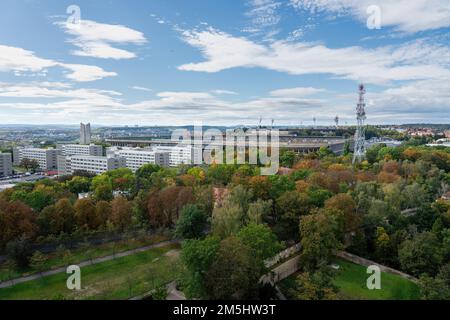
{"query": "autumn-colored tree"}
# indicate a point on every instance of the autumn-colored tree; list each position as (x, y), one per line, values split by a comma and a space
(261, 186)
(85, 214)
(64, 216)
(121, 213)
(345, 203)
(102, 213)
(16, 219)
(164, 207)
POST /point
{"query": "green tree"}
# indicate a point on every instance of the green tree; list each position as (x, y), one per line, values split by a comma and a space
(315, 286)
(19, 251)
(227, 220)
(234, 273)
(319, 241)
(261, 240)
(259, 211)
(197, 256)
(192, 223)
(79, 185)
(422, 254)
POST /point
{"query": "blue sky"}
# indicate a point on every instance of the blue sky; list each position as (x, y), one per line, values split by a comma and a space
(175, 62)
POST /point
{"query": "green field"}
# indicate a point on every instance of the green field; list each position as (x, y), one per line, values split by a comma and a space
(121, 278)
(56, 259)
(351, 282)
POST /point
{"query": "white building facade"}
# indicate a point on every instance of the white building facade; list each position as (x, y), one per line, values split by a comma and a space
(136, 158)
(47, 158)
(180, 155)
(92, 164)
(81, 149)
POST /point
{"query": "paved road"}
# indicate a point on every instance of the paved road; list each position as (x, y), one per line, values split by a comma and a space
(35, 276)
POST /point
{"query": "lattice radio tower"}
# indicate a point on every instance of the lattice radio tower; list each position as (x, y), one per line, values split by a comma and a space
(360, 135)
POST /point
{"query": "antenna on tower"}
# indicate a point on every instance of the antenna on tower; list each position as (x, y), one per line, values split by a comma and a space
(260, 121)
(314, 120)
(336, 120)
(271, 126)
(360, 135)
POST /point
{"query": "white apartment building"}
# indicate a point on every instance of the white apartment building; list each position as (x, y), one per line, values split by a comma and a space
(5, 164)
(81, 149)
(93, 164)
(180, 155)
(136, 158)
(47, 158)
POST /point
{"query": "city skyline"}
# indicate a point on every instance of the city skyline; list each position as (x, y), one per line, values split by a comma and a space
(218, 63)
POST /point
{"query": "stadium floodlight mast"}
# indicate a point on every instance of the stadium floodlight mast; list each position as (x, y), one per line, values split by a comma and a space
(360, 135)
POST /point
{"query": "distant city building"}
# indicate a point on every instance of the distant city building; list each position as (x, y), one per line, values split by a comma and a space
(81, 149)
(92, 164)
(85, 133)
(5, 164)
(181, 155)
(136, 158)
(47, 158)
(387, 141)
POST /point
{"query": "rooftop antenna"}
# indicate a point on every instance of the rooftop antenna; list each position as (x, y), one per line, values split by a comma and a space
(360, 135)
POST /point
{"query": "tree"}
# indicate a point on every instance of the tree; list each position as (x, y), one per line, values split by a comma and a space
(143, 175)
(121, 213)
(16, 220)
(261, 240)
(85, 214)
(64, 220)
(79, 184)
(29, 164)
(290, 206)
(318, 234)
(197, 256)
(433, 288)
(102, 213)
(422, 254)
(234, 274)
(38, 261)
(345, 203)
(287, 158)
(102, 187)
(19, 251)
(315, 286)
(227, 220)
(258, 211)
(192, 223)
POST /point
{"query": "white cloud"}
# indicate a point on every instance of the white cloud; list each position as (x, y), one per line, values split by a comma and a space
(222, 92)
(412, 61)
(86, 73)
(139, 88)
(97, 39)
(13, 59)
(263, 15)
(404, 15)
(296, 92)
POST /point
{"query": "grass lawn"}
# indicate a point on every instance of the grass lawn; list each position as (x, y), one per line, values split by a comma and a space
(351, 281)
(57, 259)
(121, 278)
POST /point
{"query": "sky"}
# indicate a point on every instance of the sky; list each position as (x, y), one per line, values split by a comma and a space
(223, 62)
